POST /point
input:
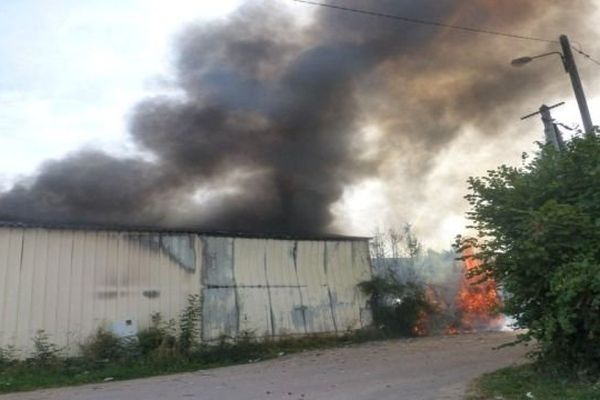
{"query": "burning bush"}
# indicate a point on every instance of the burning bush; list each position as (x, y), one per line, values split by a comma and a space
(541, 230)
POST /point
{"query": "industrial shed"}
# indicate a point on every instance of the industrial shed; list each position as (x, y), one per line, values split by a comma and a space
(69, 281)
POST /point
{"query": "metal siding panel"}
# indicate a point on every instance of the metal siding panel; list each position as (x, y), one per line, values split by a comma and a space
(284, 291)
(219, 296)
(362, 272)
(342, 285)
(52, 282)
(77, 299)
(313, 279)
(12, 285)
(38, 289)
(218, 261)
(4, 271)
(280, 270)
(155, 274)
(254, 311)
(110, 284)
(287, 311)
(249, 262)
(311, 270)
(219, 313)
(24, 332)
(318, 313)
(99, 300)
(59, 335)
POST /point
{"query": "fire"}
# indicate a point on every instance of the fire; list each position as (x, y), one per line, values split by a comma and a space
(476, 301)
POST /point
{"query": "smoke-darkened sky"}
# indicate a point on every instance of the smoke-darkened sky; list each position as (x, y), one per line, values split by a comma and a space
(284, 118)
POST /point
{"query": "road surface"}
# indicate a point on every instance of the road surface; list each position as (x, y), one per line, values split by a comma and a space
(435, 368)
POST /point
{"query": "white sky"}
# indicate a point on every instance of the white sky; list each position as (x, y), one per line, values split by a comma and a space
(71, 71)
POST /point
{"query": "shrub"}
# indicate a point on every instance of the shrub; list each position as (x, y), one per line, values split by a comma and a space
(159, 339)
(189, 325)
(539, 237)
(397, 307)
(45, 352)
(106, 346)
(7, 356)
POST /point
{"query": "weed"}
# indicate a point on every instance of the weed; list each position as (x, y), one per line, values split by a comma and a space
(189, 325)
(45, 352)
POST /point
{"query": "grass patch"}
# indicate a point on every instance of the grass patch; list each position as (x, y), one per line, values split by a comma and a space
(51, 371)
(527, 382)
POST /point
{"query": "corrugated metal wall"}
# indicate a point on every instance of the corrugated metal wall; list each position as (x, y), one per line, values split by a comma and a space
(70, 282)
(282, 287)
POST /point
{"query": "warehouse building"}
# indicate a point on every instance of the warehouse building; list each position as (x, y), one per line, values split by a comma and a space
(70, 281)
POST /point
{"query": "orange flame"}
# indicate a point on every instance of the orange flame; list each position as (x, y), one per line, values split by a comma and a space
(476, 301)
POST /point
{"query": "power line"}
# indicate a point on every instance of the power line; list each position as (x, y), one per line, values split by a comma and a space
(586, 55)
(425, 22)
(443, 25)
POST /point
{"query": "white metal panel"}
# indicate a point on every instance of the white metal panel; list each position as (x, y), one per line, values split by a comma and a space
(70, 282)
(24, 333)
(249, 262)
(287, 308)
(314, 287)
(12, 285)
(342, 285)
(4, 267)
(219, 294)
(254, 312)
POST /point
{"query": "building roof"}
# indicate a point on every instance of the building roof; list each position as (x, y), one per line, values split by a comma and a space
(183, 230)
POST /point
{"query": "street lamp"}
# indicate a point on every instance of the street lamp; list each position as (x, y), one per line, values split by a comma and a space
(519, 62)
(571, 68)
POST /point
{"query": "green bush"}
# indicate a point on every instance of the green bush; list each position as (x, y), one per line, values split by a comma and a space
(7, 356)
(539, 237)
(397, 307)
(45, 352)
(189, 325)
(159, 340)
(106, 346)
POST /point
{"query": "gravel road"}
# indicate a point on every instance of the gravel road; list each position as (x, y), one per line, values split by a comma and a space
(436, 368)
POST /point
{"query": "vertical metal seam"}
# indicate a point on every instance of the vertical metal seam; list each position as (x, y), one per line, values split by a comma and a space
(331, 306)
(235, 292)
(30, 313)
(69, 300)
(4, 283)
(302, 306)
(18, 286)
(57, 288)
(199, 240)
(272, 316)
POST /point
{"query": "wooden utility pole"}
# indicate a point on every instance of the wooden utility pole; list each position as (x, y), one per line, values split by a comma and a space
(551, 132)
(571, 68)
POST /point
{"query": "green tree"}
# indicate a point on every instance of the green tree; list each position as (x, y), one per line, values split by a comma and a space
(538, 236)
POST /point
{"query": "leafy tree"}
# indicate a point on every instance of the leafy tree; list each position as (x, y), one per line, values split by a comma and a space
(538, 236)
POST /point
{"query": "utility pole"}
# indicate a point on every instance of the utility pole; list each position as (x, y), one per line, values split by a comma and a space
(551, 132)
(571, 68)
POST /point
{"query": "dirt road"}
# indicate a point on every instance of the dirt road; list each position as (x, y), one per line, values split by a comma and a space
(415, 369)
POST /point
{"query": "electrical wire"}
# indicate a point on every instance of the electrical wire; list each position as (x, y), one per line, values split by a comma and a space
(444, 25)
(425, 22)
(586, 55)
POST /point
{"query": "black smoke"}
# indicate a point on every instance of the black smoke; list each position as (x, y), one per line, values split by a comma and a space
(269, 115)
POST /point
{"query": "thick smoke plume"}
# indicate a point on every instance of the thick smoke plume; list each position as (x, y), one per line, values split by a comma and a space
(274, 118)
